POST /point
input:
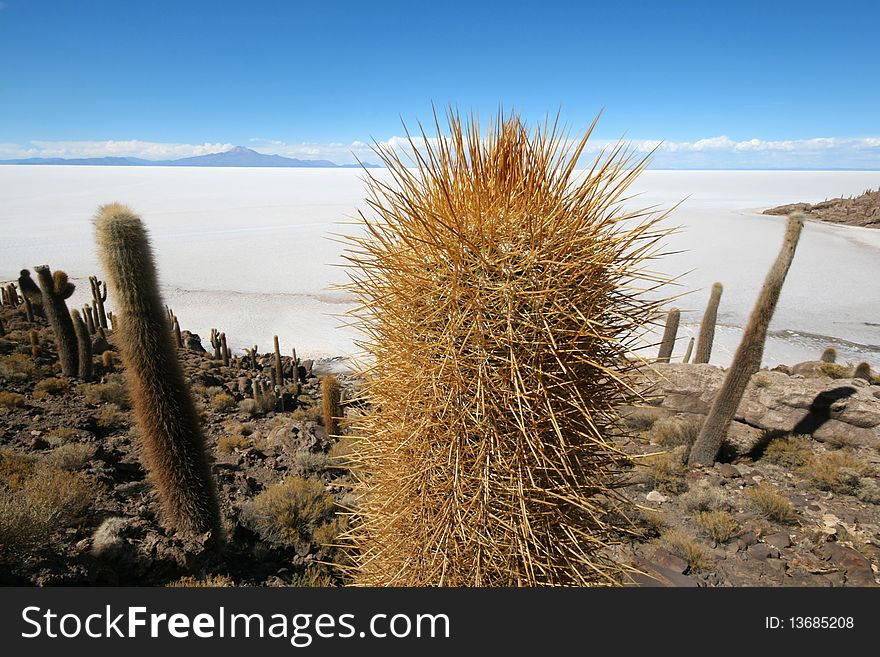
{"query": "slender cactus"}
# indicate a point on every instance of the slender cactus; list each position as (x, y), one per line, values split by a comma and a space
(89, 318)
(84, 346)
(707, 328)
(34, 337)
(668, 343)
(178, 338)
(99, 294)
(330, 403)
(215, 342)
(174, 446)
(687, 353)
(747, 360)
(252, 355)
(279, 372)
(224, 350)
(55, 290)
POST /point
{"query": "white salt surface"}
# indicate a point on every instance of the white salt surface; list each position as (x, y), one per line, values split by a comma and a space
(249, 250)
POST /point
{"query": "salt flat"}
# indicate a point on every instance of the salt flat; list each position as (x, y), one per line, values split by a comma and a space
(249, 250)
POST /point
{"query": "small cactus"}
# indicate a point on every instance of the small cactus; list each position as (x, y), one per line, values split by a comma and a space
(34, 337)
(279, 372)
(829, 355)
(863, 371)
(107, 361)
(55, 290)
(84, 346)
(252, 355)
(747, 359)
(687, 353)
(330, 403)
(668, 343)
(174, 446)
(224, 350)
(215, 342)
(707, 327)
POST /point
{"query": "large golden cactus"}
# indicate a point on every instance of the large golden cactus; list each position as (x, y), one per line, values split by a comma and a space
(502, 293)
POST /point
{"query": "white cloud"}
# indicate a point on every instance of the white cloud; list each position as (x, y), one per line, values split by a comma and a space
(711, 152)
(111, 148)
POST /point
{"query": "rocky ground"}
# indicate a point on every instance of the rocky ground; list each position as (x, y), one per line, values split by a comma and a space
(794, 501)
(861, 210)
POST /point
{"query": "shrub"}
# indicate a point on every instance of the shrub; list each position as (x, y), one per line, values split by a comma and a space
(772, 505)
(72, 456)
(249, 407)
(836, 471)
(761, 380)
(672, 432)
(306, 414)
(789, 452)
(666, 471)
(703, 496)
(222, 401)
(834, 370)
(11, 400)
(641, 419)
(112, 392)
(229, 444)
(209, 581)
(720, 526)
(109, 417)
(50, 387)
(61, 435)
(17, 367)
(37, 499)
(310, 463)
(681, 544)
(288, 513)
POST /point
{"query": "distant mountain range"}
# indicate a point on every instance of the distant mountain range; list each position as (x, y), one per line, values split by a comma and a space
(236, 157)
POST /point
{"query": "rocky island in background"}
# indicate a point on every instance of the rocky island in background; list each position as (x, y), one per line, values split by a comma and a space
(861, 210)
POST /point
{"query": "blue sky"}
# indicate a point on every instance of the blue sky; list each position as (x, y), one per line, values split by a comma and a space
(744, 84)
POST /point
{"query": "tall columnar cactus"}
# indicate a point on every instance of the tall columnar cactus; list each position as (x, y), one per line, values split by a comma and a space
(747, 359)
(174, 447)
(829, 355)
(89, 319)
(668, 343)
(84, 346)
(707, 327)
(99, 296)
(688, 351)
(500, 301)
(224, 350)
(215, 342)
(279, 371)
(330, 404)
(55, 289)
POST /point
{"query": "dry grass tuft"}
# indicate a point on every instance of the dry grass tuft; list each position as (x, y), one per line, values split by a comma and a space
(50, 387)
(789, 452)
(688, 548)
(112, 392)
(720, 526)
(839, 471)
(834, 370)
(221, 402)
(673, 431)
(209, 581)
(772, 505)
(11, 399)
(232, 443)
(500, 294)
(72, 456)
(703, 496)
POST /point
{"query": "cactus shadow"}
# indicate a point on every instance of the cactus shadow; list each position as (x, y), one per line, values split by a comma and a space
(818, 413)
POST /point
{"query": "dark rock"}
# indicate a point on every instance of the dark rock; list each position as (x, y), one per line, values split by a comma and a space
(759, 551)
(728, 471)
(855, 565)
(779, 541)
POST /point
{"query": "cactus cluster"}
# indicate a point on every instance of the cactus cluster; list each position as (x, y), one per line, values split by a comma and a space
(501, 297)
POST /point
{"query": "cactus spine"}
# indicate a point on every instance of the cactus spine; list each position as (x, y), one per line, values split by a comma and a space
(688, 351)
(279, 372)
(174, 447)
(747, 359)
(668, 343)
(707, 327)
(84, 346)
(55, 289)
(492, 401)
(330, 403)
